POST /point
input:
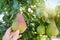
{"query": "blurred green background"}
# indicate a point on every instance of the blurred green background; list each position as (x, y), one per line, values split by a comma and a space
(33, 12)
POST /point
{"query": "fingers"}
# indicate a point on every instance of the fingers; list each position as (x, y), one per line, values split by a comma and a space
(19, 36)
(7, 34)
(8, 31)
(16, 35)
(11, 35)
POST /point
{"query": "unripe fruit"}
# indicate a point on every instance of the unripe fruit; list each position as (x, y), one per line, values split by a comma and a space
(41, 29)
(52, 29)
(42, 37)
(19, 23)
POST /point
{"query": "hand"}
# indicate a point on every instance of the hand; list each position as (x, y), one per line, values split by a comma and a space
(9, 35)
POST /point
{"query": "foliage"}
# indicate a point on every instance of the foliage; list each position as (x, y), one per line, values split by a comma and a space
(33, 12)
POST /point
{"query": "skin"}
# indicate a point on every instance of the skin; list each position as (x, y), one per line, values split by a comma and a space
(9, 35)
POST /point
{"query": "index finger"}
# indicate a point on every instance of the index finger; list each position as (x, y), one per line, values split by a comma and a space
(8, 31)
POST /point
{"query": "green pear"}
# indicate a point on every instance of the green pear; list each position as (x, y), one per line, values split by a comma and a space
(52, 29)
(19, 23)
(41, 29)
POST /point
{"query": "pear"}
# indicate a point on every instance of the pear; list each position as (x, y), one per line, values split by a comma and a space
(41, 29)
(19, 23)
(52, 29)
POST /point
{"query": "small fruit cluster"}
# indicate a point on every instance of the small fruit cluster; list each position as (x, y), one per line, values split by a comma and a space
(47, 30)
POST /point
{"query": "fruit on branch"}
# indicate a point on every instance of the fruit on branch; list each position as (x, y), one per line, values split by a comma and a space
(19, 23)
(42, 37)
(41, 29)
(52, 29)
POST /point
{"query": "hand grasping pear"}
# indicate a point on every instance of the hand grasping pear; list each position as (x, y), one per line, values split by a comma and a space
(9, 35)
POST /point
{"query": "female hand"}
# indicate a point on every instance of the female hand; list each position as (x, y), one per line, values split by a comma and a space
(9, 35)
